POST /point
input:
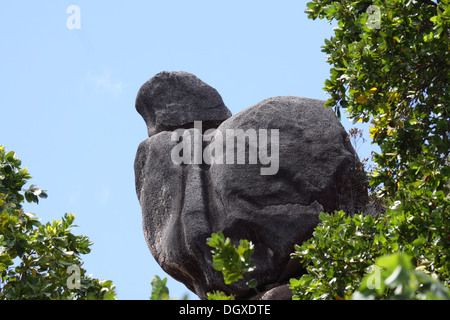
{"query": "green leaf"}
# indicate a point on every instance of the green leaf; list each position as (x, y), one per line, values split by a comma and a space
(234, 263)
(253, 283)
(419, 242)
(219, 295)
(159, 289)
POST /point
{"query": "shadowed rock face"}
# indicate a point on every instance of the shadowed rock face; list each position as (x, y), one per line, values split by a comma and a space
(182, 204)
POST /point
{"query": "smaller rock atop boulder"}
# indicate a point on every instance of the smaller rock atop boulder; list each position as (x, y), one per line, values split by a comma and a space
(175, 99)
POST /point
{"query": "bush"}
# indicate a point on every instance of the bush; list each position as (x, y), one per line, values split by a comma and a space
(343, 249)
(390, 68)
(39, 261)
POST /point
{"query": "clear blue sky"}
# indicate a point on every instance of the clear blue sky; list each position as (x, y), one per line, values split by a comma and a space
(67, 99)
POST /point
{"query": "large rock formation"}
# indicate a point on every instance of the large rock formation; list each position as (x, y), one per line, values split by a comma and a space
(296, 161)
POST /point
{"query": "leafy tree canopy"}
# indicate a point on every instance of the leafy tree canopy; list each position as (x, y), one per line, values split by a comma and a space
(39, 261)
(390, 67)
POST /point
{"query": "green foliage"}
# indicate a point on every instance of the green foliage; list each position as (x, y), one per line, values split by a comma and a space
(343, 248)
(395, 74)
(390, 65)
(39, 261)
(219, 295)
(396, 274)
(159, 289)
(12, 179)
(234, 263)
(337, 257)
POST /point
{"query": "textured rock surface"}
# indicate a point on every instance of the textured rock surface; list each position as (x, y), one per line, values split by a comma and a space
(278, 293)
(175, 99)
(183, 204)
